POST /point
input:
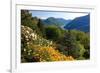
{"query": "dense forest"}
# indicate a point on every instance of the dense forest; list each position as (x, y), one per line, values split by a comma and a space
(42, 43)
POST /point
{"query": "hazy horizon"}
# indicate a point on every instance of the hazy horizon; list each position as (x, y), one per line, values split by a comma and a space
(64, 15)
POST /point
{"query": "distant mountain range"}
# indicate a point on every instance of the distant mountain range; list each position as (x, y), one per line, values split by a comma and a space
(79, 23)
(56, 21)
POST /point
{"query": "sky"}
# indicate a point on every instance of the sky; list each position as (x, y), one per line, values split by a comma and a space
(65, 15)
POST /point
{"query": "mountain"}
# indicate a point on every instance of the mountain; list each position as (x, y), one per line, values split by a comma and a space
(63, 21)
(55, 21)
(79, 23)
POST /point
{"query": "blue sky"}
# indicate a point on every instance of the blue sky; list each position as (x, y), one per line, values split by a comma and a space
(65, 15)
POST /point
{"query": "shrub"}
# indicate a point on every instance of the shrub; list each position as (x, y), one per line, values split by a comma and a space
(53, 33)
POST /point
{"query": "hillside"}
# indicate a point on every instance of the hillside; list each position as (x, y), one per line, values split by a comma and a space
(55, 21)
(79, 23)
(37, 49)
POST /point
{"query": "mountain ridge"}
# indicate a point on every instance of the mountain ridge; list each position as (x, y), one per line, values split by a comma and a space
(80, 23)
(56, 21)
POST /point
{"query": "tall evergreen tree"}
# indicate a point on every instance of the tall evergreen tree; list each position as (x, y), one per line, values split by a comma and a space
(41, 28)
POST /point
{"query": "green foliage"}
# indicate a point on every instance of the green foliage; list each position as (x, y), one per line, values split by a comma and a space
(77, 51)
(73, 44)
(28, 20)
(53, 33)
(87, 54)
(84, 39)
(41, 28)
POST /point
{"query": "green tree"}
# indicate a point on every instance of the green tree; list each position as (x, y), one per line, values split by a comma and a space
(77, 51)
(84, 39)
(28, 20)
(41, 28)
(70, 46)
(53, 33)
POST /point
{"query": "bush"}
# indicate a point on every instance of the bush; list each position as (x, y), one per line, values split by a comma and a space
(36, 53)
(53, 33)
(87, 54)
(77, 51)
(48, 54)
